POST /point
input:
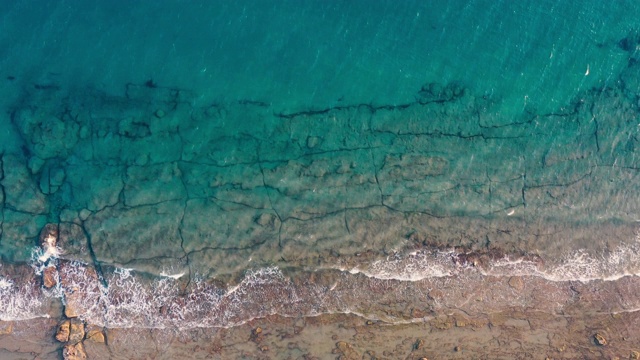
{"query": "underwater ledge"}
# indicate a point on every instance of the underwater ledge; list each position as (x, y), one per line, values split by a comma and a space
(436, 226)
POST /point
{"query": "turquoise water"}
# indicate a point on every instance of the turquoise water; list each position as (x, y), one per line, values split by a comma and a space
(219, 146)
(317, 54)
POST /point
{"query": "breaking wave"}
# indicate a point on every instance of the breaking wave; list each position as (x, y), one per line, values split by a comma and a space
(436, 280)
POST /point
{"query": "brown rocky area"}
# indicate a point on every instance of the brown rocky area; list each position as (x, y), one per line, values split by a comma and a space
(64, 329)
(49, 277)
(74, 352)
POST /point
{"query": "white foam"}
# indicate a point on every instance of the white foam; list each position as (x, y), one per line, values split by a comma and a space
(19, 302)
(172, 276)
(5, 283)
(131, 300)
(576, 265)
(415, 266)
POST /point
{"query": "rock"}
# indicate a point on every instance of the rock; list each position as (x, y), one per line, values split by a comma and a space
(49, 277)
(133, 128)
(51, 179)
(74, 352)
(6, 328)
(49, 236)
(346, 351)
(516, 283)
(313, 141)
(21, 192)
(159, 113)
(35, 164)
(342, 346)
(80, 285)
(70, 310)
(631, 42)
(84, 214)
(95, 336)
(266, 220)
(600, 339)
(62, 334)
(257, 335)
(76, 332)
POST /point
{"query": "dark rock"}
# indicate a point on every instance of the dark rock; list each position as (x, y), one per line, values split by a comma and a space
(600, 339)
(631, 42)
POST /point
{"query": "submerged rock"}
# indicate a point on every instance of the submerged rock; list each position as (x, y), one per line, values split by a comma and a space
(631, 42)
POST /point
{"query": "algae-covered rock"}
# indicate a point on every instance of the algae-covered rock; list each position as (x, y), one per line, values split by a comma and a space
(20, 190)
(95, 186)
(48, 134)
(19, 229)
(153, 184)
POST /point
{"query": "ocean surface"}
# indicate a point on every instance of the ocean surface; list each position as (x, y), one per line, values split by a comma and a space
(200, 164)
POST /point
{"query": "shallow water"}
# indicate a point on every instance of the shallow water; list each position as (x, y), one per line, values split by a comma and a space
(204, 165)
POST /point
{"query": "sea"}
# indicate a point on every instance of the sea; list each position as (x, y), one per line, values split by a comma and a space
(201, 164)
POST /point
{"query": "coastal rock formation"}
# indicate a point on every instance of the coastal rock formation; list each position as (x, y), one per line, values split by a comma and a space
(76, 331)
(96, 336)
(49, 277)
(74, 352)
(216, 184)
(64, 329)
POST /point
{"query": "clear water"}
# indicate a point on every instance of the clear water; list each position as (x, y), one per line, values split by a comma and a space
(224, 152)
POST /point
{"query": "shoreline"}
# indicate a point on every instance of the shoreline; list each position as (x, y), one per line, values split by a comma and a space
(508, 334)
